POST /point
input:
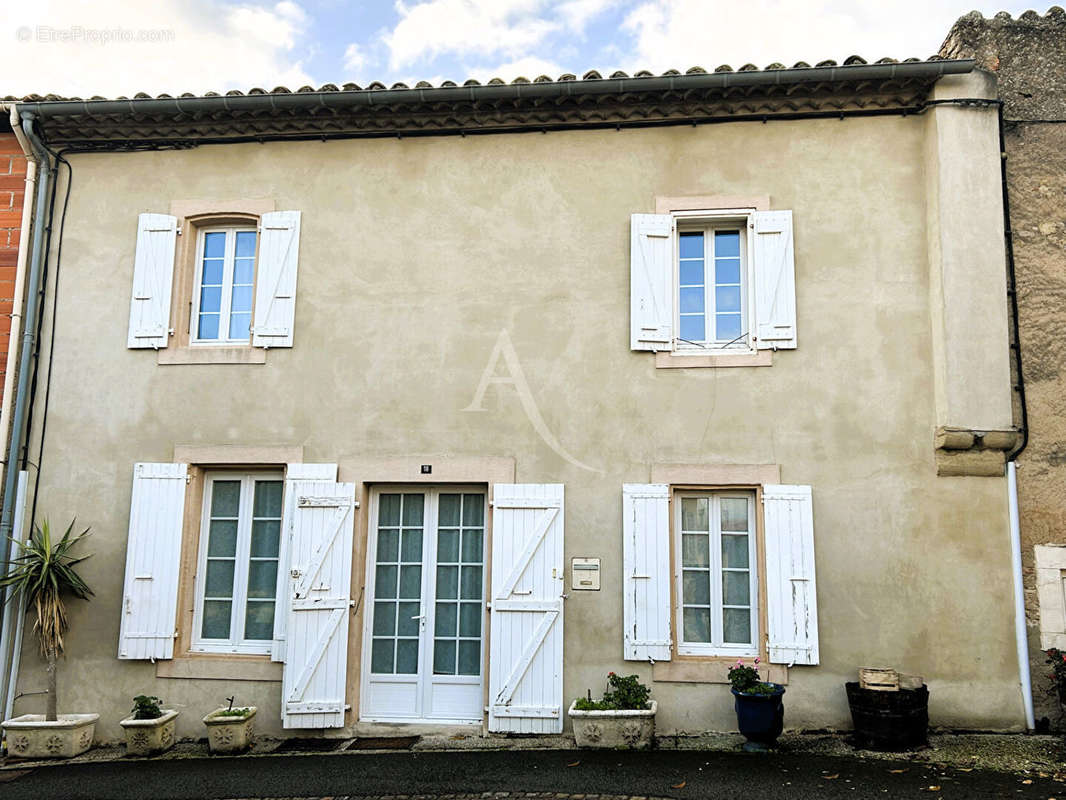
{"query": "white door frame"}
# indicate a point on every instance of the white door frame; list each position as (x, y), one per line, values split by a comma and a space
(425, 675)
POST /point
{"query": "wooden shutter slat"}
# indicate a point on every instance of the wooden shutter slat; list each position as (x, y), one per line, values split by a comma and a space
(153, 279)
(651, 282)
(792, 602)
(275, 282)
(775, 280)
(646, 572)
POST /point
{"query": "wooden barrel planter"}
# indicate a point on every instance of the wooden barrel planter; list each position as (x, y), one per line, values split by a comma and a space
(889, 720)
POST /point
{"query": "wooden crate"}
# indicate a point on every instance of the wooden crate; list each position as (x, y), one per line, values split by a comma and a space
(879, 679)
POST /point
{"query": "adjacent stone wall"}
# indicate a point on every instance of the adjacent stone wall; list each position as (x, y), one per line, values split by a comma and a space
(1028, 55)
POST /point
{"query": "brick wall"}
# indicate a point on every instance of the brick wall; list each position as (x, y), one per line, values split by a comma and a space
(12, 189)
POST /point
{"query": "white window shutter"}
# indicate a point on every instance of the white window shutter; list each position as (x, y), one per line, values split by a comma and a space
(153, 557)
(526, 621)
(646, 571)
(318, 524)
(790, 588)
(153, 281)
(775, 280)
(275, 280)
(651, 300)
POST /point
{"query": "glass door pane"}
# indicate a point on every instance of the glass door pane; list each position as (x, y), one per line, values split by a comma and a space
(460, 588)
(398, 585)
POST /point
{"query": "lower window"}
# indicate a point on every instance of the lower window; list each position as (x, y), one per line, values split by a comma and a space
(717, 584)
(237, 573)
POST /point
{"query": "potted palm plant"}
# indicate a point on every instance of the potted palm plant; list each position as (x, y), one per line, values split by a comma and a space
(43, 574)
(759, 707)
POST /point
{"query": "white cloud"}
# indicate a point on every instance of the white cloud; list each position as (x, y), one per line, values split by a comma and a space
(467, 28)
(578, 13)
(354, 58)
(114, 47)
(529, 67)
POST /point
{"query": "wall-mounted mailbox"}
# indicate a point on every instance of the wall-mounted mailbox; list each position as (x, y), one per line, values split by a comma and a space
(585, 574)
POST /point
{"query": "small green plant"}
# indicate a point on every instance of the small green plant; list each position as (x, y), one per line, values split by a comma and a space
(146, 707)
(745, 679)
(237, 712)
(622, 694)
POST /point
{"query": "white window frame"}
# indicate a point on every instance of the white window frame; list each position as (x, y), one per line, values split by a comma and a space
(236, 643)
(716, 647)
(229, 256)
(709, 221)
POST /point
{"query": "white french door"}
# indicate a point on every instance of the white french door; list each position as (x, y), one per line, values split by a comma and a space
(423, 639)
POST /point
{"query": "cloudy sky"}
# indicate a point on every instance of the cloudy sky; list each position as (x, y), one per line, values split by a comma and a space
(111, 47)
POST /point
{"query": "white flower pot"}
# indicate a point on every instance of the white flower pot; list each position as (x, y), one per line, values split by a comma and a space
(614, 730)
(146, 737)
(30, 736)
(227, 733)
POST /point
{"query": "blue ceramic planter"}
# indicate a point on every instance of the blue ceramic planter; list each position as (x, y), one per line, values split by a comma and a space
(760, 717)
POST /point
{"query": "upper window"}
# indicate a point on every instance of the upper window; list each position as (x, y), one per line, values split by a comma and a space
(712, 286)
(237, 577)
(717, 613)
(225, 281)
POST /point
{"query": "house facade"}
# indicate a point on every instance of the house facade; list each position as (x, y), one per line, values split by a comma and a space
(431, 406)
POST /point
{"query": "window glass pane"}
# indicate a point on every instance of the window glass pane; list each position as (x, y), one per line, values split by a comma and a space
(262, 579)
(219, 579)
(448, 546)
(412, 510)
(222, 538)
(245, 244)
(207, 327)
(727, 244)
(692, 328)
(244, 271)
(471, 583)
(697, 623)
(211, 274)
(727, 298)
(691, 245)
(697, 587)
(472, 547)
(445, 623)
(381, 656)
(411, 549)
(409, 622)
(259, 621)
(727, 270)
(411, 582)
(384, 619)
(735, 551)
(388, 546)
(444, 657)
(694, 514)
(470, 619)
(448, 583)
(266, 534)
(736, 624)
(211, 298)
(216, 619)
(406, 656)
(449, 510)
(241, 299)
(385, 582)
(267, 501)
(692, 300)
(239, 326)
(735, 588)
(470, 658)
(215, 244)
(695, 550)
(225, 498)
(691, 273)
(728, 327)
(389, 511)
(473, 510)
(735, 514)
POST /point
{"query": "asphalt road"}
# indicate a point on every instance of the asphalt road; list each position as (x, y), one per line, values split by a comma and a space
(674, 774)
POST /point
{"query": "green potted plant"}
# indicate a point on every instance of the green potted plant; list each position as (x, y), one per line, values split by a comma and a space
(229, 729)
(43, 574)
(149, 729)
(623, 719)
(759, 707)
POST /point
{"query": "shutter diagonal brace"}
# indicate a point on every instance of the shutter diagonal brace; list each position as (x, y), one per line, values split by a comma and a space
(269, 330)
(328, 630)
(531, 547)
(522, 665)
(319, 557)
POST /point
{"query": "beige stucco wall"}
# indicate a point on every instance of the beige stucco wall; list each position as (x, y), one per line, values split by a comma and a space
(415, 254)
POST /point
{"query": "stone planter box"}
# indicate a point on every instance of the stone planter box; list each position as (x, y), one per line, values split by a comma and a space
(227, 733)
(614, 730)
(146, 737)
(29, 736)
